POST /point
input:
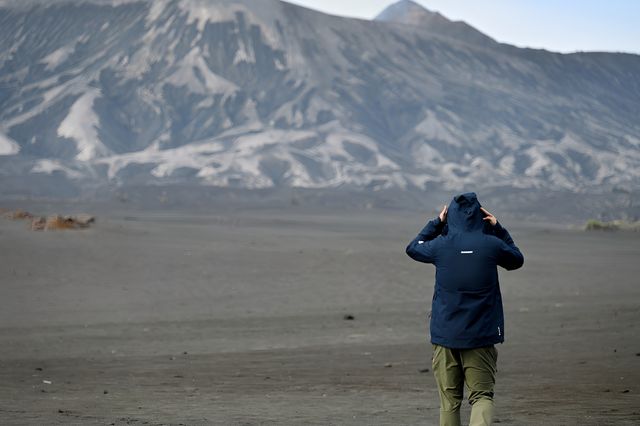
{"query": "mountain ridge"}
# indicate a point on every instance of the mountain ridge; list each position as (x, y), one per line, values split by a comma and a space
(408, 12)
(235, 94)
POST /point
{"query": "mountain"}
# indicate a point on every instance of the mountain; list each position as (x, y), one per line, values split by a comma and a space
(407, 12)
(411, 13)
(267, 94)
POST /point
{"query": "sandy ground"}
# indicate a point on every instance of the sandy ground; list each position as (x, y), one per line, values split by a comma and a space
(238, 320)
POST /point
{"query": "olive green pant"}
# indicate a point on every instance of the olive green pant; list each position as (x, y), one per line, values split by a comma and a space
(474, 367)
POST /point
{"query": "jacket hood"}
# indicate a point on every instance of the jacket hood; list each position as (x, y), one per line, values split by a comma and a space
(464, 214)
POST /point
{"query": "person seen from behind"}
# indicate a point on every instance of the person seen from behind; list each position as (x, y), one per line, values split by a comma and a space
(466, 244)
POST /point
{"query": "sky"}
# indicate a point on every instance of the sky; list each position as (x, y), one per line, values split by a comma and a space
(558, 25)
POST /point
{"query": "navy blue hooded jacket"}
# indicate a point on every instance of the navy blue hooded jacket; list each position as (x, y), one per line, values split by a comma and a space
(467, 306)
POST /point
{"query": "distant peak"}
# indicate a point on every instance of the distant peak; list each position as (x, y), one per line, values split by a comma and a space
(410, 13)
(408, 4)
(407, 12)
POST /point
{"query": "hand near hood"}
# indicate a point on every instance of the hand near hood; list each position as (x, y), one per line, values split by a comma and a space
(489, 217)
(443, 213)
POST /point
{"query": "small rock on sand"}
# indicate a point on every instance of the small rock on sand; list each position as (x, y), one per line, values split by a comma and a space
(57, 222)
(38, 223)
(18, 214)
(62, 222)
(84, 219)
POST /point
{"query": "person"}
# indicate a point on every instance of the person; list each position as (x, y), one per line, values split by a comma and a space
(466, 243)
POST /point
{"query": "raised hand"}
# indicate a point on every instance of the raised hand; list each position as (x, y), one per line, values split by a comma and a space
(443, 214)
(488, 216)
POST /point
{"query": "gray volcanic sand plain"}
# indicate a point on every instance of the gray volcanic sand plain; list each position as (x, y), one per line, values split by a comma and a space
(238, 319)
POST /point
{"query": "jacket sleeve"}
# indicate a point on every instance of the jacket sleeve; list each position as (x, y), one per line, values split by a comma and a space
(422, 248)
(509, 256)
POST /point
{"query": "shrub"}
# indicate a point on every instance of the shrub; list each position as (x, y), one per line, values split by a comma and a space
(596, 225)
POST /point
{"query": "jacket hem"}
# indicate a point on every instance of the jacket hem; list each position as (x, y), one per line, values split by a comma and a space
(466, 344)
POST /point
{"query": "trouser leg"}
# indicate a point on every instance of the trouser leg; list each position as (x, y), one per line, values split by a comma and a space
(447, 369)
(481, 413)
(479, 367)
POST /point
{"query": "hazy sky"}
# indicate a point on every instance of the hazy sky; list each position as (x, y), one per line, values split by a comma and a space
(559, 25)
